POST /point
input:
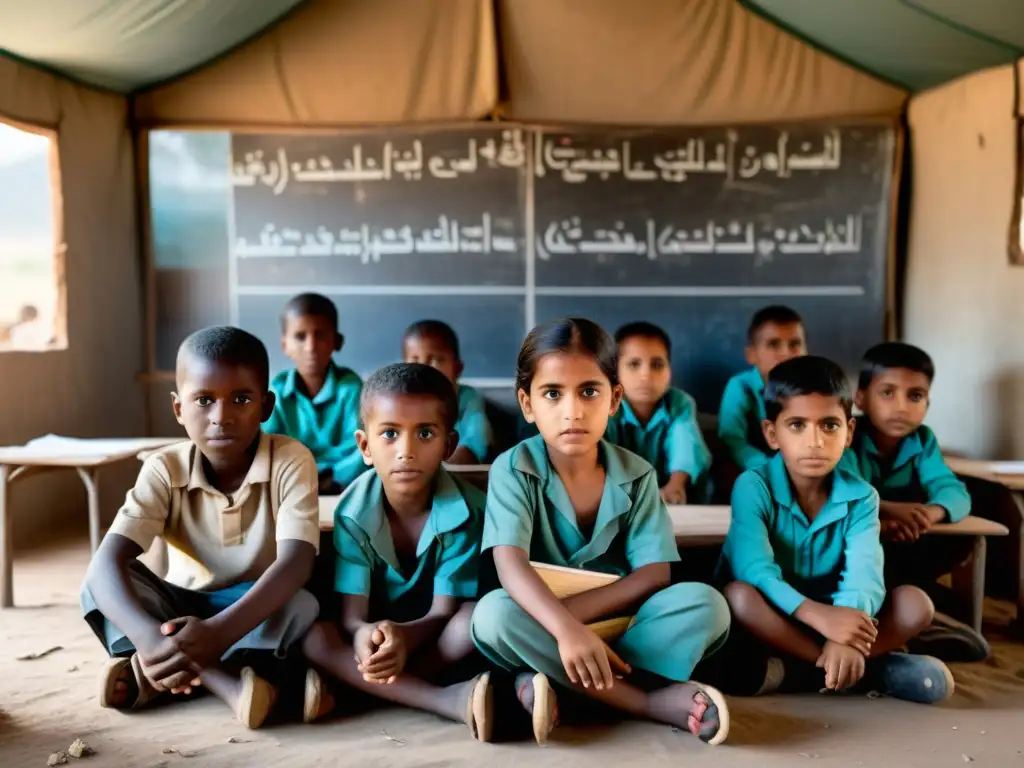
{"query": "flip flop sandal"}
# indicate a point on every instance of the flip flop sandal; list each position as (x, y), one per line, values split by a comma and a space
(717, 705)
(545, 705)
(318, 701)
(137, 682)
(480, 708)
(256, 700)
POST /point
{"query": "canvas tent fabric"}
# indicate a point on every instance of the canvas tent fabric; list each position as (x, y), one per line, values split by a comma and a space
(125, 44)
(335, 62)
(128, 45)
(677, 61)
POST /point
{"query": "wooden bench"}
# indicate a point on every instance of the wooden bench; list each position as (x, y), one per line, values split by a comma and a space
(695, 525)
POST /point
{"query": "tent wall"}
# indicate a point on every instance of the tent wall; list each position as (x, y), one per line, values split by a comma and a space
(88, 389)
(964, 302)
(335, 62)
(671, 61)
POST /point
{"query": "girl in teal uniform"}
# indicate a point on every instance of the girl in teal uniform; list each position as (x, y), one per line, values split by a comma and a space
(568, 498)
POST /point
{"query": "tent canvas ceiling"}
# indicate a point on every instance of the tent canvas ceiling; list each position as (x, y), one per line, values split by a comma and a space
(127, 45)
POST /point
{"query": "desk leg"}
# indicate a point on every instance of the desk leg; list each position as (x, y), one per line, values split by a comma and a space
(978, 582)
(1018, 501)
(6, 541)
(92, 491)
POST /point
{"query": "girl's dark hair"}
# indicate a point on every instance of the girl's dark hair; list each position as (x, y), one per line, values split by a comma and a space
(569, 335)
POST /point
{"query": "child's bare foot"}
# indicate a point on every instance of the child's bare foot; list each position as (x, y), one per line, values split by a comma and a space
(123, 684)
(250, 697)
(318, 701)
(535, 693)
(699, 709)
(472, 704)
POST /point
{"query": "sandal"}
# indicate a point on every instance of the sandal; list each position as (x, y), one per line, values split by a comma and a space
(112, 673)
(545, 704)
(317, 701)
(480, 707)
(256, 700)
(716, 705)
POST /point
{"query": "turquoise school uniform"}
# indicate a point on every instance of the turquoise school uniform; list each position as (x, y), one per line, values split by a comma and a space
(739, 420)
(473, 428)
(447, 554)
(835, 558)
(528, 507)
(325, 424)
(671, 441)
(917, 474)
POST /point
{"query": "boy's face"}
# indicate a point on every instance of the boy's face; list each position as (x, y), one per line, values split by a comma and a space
(644, 370)
(570, 400)
(309, 341)
(811, 433)
(405, 439)
(221, 407)
(432, 351)
(775, 343)
(895, 402)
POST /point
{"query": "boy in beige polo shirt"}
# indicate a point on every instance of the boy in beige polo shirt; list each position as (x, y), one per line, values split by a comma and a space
(242, 505)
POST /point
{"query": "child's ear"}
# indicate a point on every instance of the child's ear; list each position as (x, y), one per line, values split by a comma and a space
(748, 355)
(363, 441)
(339, 341)
(524, 405)
(269, 400)
(768, 429)
(617, 392)
(176, 407)
(858, 399)
(852, 425)
(458, 368)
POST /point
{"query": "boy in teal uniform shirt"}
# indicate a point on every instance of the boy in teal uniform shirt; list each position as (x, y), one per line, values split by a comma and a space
(803, 549)
(408, 542)
(900, 457)
(568, 498)
(318, 401)
(776, 334)
(656, 420)
(435, 344)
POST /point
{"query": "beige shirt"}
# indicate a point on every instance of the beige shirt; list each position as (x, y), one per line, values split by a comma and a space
(231, 538)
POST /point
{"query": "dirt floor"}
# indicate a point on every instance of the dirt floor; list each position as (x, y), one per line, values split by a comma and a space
(47, 703)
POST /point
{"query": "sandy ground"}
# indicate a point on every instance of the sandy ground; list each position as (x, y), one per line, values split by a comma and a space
(45, 704)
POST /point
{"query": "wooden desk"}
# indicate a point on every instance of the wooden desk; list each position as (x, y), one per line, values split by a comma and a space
(695, 525)
(1009, 476)
(85, 456)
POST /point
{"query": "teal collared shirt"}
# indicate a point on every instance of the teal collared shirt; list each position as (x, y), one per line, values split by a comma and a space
(473, 428)
(740, 417)
(447, 554)
(671, 441)
(528, 507)
(326, 424)
(917, 474)
(834, 558)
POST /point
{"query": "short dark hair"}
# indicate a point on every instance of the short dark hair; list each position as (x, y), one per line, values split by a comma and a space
(644, 330)
(894, 354)
(415, 379)
(571, 335)
(310, 305)
(807, 375)
(227, 345)
(776, 313)
(438, 330)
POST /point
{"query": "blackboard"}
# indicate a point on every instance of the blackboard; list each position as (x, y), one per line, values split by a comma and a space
(695, 229)
(495, 227)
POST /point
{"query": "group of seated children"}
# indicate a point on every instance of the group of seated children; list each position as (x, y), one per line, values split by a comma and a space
(573, 531)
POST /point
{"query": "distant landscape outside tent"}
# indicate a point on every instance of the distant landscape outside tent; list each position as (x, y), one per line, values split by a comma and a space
(29, 294)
